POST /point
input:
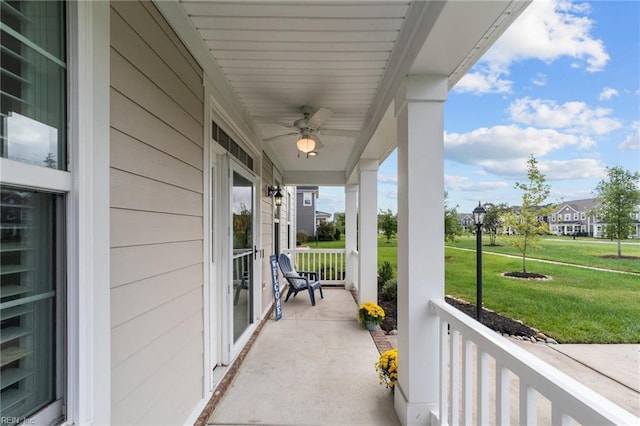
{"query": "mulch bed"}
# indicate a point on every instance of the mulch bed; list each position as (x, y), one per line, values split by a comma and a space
(493, 320)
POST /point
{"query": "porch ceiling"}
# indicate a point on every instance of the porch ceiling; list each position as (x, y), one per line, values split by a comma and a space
(274, 57)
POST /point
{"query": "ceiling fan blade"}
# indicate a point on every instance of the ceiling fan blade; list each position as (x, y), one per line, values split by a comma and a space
(338, 132)
(319, 144)
(271, 120)
(320, 116)
(280, 137)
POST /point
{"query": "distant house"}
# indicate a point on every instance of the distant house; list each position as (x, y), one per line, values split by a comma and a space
(322, 217)
(306, 218)
(573, 217)
(466, 220)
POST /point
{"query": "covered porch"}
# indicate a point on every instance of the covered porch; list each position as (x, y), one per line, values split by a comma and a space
(315, 366)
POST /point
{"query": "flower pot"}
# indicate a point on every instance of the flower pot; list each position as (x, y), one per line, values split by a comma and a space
(370, 325)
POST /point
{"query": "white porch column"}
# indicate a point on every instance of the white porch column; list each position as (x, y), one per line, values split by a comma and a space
(419, 114)
(368, 230)
(351, 236)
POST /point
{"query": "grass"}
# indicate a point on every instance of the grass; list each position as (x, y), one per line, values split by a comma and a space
(583, 251)
(576, 306)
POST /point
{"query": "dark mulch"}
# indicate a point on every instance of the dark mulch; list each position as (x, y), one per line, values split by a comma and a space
(614, 256)
(526, 275)
(493, 320)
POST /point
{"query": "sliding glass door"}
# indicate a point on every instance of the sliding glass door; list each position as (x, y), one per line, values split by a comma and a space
(243, 251)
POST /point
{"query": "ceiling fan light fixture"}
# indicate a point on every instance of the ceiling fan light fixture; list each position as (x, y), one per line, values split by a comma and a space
(306, 144)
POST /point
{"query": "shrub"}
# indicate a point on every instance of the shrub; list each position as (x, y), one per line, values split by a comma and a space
(390, 289)
(337, 234)
(326, 231)
(385, 273)
(301, 237)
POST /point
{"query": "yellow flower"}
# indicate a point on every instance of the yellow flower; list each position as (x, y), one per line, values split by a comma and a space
(370, 311)
(387, 368)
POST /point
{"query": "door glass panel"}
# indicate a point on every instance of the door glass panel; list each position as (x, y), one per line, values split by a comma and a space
(242, 267)
(28, 327)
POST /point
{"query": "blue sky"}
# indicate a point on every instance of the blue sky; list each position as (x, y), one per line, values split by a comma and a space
(563, 84)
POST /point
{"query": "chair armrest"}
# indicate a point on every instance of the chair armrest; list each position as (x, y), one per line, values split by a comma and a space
(310, 275)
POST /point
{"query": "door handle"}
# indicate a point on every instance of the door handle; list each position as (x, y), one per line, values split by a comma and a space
(255, 252)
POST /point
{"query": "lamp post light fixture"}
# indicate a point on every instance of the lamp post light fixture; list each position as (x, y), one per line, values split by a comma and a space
(478, 218)
(274, 192)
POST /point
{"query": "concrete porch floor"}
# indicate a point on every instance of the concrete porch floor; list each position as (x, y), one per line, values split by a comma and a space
(316, 367)
(313, 367)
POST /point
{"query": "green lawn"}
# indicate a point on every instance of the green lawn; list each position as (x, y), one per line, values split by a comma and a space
(577, 305)
(583, 251)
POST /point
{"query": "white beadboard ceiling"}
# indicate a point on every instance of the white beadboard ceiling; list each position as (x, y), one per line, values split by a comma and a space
(347, 56)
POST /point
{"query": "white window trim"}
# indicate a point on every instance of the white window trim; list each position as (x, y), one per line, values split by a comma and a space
(88, 264)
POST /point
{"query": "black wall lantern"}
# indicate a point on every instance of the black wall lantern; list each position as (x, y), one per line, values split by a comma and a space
(274, 192)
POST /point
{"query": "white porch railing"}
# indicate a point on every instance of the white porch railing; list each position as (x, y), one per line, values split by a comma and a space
(471, 353)
(329, 263)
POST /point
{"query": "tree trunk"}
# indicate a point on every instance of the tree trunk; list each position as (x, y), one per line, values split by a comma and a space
(619, 248)
(524, 267)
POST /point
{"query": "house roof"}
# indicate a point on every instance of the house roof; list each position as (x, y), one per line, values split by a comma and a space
(266, 60)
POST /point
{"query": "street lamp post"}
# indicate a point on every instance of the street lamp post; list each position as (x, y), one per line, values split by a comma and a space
(478, 217)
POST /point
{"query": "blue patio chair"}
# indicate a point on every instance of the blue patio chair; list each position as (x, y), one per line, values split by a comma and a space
(299, 280)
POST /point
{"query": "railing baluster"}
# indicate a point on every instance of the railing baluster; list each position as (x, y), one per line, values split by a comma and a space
(558, 417)
(454, 368)
(483, 387)
(527, 404)
(571, 401)
(502, 395)
(467, 384)
(444, 361)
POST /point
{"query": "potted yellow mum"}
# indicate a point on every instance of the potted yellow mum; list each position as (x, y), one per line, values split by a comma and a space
(387, 368)
(370, 315)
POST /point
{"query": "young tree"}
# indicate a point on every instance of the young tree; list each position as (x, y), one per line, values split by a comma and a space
(525, 220)
(617, 199)
(452, 225)
(388, 223)
(493, 220)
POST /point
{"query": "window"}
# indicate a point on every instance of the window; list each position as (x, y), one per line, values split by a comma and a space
(33, 83)
(553, 218)
(567, 216)
(307, 198)
(576, 216)
(583, 216)
(31, 291)
(33, 120)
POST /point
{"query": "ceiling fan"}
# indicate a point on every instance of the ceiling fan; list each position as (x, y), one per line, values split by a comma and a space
(308, 129)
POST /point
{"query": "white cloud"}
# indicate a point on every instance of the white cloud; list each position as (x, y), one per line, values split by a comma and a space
(632, 141)
(573, 117)
(462, 183)
(504, 150)
(546, 30)
(540, 80)
(608, 93)
(388, 179)
(582, 168)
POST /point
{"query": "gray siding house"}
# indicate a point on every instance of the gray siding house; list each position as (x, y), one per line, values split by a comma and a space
(306, 209)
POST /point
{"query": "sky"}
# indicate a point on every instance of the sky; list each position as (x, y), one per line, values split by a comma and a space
(561, 84)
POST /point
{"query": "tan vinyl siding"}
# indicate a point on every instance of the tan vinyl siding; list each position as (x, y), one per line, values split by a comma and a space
(156, 220)
(266, 218)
